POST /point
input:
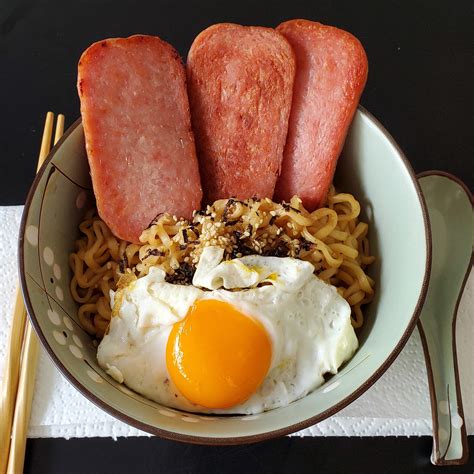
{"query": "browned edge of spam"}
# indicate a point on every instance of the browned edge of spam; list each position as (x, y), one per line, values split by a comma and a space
(429, 369)
(240, 439)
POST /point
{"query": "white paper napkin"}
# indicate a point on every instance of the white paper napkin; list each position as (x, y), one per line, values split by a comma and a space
(398, 404)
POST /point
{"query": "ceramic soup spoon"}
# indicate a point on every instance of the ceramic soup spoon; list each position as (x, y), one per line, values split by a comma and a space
(449, 204)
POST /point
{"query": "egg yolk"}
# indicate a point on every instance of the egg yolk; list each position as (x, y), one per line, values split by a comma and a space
(217, 356)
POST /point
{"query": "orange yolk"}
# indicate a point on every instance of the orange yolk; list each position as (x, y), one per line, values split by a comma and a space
(217, 356)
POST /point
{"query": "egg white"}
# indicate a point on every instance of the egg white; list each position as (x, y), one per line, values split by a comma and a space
(307, 321)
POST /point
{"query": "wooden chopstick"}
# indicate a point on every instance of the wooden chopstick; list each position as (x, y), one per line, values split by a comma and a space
(29, 354)
(24, 398)
(29, 357)
(59, 129)
(10, 379)
(17, 332)
(46, 140)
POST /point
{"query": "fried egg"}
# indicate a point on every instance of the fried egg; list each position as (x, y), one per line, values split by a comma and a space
(251, 334)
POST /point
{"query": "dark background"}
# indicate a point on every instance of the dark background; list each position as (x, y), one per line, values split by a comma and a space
(420, 87)
(420, 59)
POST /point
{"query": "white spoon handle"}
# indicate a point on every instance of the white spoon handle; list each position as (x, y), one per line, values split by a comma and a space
(449, 205)
(449, 431)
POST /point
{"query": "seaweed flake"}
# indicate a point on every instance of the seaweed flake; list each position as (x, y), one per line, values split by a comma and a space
(155, 219)
(241, 249)
(305, 244)
(281, 250)
(123, 263)
(230, 202)
(154, 253)
(183, 275)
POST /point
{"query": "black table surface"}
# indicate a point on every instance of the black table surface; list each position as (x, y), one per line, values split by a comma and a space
(420, 87)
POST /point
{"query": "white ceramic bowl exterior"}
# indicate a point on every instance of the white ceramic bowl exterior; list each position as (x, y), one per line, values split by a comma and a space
(371, 167)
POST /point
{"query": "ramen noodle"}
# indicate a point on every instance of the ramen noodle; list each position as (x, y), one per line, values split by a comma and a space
(332, 238)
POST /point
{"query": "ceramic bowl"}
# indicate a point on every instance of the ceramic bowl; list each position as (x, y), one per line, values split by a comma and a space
(372, 167)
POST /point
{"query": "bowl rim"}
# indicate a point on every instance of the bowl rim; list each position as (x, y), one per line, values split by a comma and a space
(231, 440)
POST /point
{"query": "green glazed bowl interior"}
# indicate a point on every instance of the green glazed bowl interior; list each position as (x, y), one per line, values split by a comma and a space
(371, 167)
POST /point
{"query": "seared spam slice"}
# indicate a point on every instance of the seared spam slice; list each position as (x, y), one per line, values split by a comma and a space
(331, 71)
(240, 83)
(137, 126)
